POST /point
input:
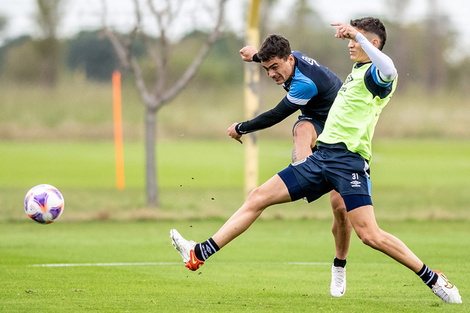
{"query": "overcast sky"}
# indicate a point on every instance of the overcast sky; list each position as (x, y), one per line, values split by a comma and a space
(86, 14)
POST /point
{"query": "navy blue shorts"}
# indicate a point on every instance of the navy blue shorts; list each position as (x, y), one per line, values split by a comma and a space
(330, 167)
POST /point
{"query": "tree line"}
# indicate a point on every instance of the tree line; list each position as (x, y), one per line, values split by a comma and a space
(426, 53)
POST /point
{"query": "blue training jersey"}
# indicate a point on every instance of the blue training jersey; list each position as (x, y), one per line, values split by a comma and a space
(313, 87)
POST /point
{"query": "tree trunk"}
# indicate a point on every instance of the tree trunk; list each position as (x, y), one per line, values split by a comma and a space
(159, 54)
(153, 200)
(49, 69)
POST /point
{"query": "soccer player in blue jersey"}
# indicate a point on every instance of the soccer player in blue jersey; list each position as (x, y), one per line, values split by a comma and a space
(341, 162)
(311, 88)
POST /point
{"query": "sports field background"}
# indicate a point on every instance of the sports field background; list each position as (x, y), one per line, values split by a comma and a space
(205, 178)
(109, 253)
(420, 167)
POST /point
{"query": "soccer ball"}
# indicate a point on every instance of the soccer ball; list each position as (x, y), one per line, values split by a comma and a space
(44, 203)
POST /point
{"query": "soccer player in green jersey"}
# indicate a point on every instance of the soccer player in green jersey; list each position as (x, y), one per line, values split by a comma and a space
(341, 163)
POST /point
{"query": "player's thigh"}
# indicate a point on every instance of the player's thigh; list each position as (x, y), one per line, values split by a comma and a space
(363, 221)
(304, 130)
(273, 191)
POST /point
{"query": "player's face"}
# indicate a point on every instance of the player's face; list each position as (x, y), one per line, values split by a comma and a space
(357, 54)
(280, 70)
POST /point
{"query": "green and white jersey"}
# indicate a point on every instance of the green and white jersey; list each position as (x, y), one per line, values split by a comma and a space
(356, 110)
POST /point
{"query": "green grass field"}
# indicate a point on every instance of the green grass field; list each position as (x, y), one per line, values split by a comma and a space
(276, 266)
(123, 258)
(411, 179)
(120, 258)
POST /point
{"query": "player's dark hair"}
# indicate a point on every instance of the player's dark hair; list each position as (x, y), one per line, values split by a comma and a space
(372, 25)
(274, 46)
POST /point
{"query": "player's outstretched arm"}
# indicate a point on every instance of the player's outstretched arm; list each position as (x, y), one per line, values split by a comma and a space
(262, 121)
(384, 63)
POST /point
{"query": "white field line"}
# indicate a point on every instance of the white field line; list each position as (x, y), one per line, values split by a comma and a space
(101, 264)
(156, 263)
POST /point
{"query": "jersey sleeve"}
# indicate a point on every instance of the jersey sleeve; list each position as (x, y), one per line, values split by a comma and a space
(377, 78)
(266, 119)
(384, 71)
(301, 90)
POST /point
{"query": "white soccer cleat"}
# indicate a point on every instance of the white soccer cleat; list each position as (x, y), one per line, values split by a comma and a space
(338, 281)
(182, 245)
(445, 290)
(186, 250)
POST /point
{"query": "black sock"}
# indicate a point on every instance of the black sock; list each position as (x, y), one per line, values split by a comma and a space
(205, 249)
(339, 263)
(427, 275)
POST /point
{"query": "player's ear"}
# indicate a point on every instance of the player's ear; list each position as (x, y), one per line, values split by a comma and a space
(291, 59)
(376, 42)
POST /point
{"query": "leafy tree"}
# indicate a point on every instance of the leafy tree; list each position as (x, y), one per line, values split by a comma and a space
(309, 33)
(92, 53)
(20, 63)
(419, 49)
(10, 44)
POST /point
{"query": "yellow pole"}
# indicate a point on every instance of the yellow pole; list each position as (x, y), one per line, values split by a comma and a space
(118, 145)
(252, 75)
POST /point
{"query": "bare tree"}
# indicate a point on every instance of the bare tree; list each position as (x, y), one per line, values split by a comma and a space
(48, 46)
(436, 31)
(3, 23)
(158, 92)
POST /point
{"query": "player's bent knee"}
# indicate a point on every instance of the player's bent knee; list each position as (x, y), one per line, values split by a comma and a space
(339, 209)
(337, 203)
(303, 129)
(257, 200)
(370, 239)
(340, 213)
